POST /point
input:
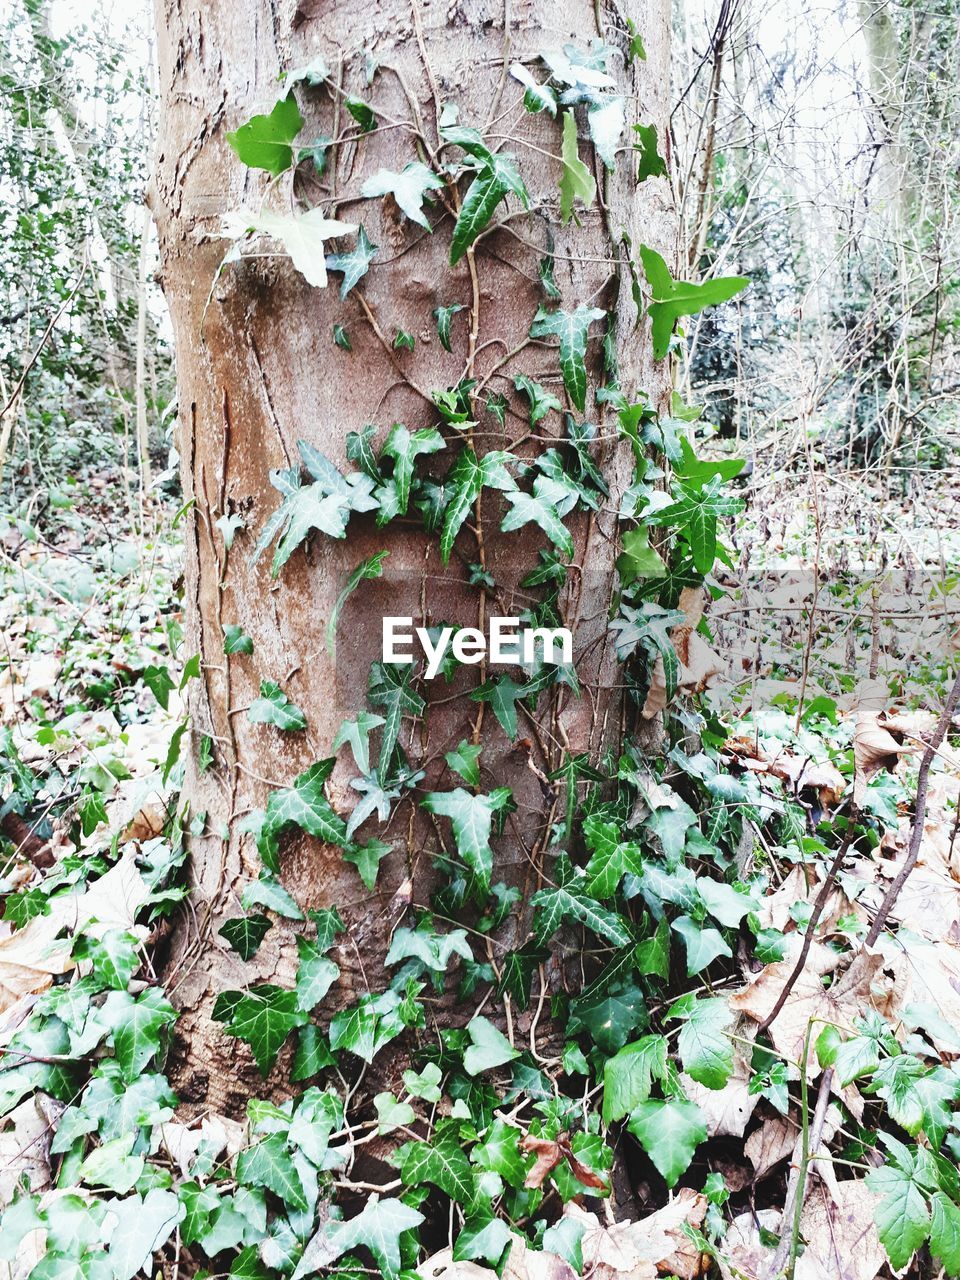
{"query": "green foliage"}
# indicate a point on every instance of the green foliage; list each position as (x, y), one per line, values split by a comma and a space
(675, 298)
(264, 142)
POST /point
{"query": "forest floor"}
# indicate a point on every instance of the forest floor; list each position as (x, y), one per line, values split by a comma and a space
(91, 674)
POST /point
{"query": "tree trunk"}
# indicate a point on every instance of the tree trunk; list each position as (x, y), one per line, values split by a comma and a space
(258, 370)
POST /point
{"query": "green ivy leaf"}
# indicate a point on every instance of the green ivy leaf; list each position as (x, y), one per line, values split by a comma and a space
(392, 1114)
(363, 113)
(539, 508)
(316, 974)
(702, 943)
(244, 934)
(669, 1130)
(268, 1164)
(158, 681)
(464, 482)
(576, 181)
(263, 1016)
(267, 892)
(571, 328)
(606, 121)
(465, 760)
(264, 141)
(628, 1076)
(650, 163)
(497, 176)
(902, 1216)
(305, 805)
(675, 298)
(408, 188)
(274, 707)
(503, 695)
(541, 401)
(442, 1163)
(405, 447)
(565, 1239)
(705, 1049)
(378, 1228)
(390, 689)
(137, 1023)
(536, 97)
(236, 640)
(471, 817)
(638, 559)
(517, 973)
(368, 1025)
(443, 316)
(367, 858)
(488, 1048)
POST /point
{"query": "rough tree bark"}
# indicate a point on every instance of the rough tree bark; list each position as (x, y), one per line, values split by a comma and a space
(258, 370)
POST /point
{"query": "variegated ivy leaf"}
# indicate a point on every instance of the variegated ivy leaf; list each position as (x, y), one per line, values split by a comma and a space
(404, 447)
(541, 401)
(274, 707)
(263, 1016)
(304, 805)
(325, 505)
(378, 1228)
(354, 264)
(443, 316)
(472, 819)
(540, 508)
(303, 236)
(357, 734)
(409, 188)
(571, 328)
(463, 484)
(497, 176)
(576, 180)
(391, 691)
(536, 97)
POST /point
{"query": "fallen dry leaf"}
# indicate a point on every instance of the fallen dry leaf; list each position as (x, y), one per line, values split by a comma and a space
(768, 1145)
(742, 1253)
(548, 1156)
(840, 1234)
(640, 1249)
(698, 662)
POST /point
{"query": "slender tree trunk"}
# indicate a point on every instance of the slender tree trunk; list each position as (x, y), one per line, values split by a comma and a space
(258, 370)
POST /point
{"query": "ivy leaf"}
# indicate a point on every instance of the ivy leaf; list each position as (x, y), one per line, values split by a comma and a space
(605, 119)
(267, 892)
(304, 804)
(502, 695)
(443, 316)
(341, 338)
(268, 1164)
(482, 1237)
(263, 1016)
(669, 1130)
(367, 858)
(465, 760)
(650, 164)
(236, 640)
(571, 328)
(442, 1163)
(488, 1047)
(368, 1025)
(902, 1216)
(497, 176)
(391, 1114)
(112, 1165)
(702, 943)
(945, 1232)
(274, 707)
(432, 950)
(363, 113)
(136, 1023)
(556, 905)
(366, 571)
(698, 512)
(464, 482)
(638, 559)
(303, 236)
(316, 974)
(405, 447)
(403, 341)
(540, 508)
(628, 1076)
(378, 1228)
(408, 188)
(576, 181)
(675, 298)
(244, 934)
(610, 861)
(471, 817)
(517, 972)
(536, 97)
(565, 1239)
(424, 1085)
(159, 682)
(325, 506)
(541, 402)
(706, 1051)
(264, 141)
(390, 690)
(357, 734)
(354, 264)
